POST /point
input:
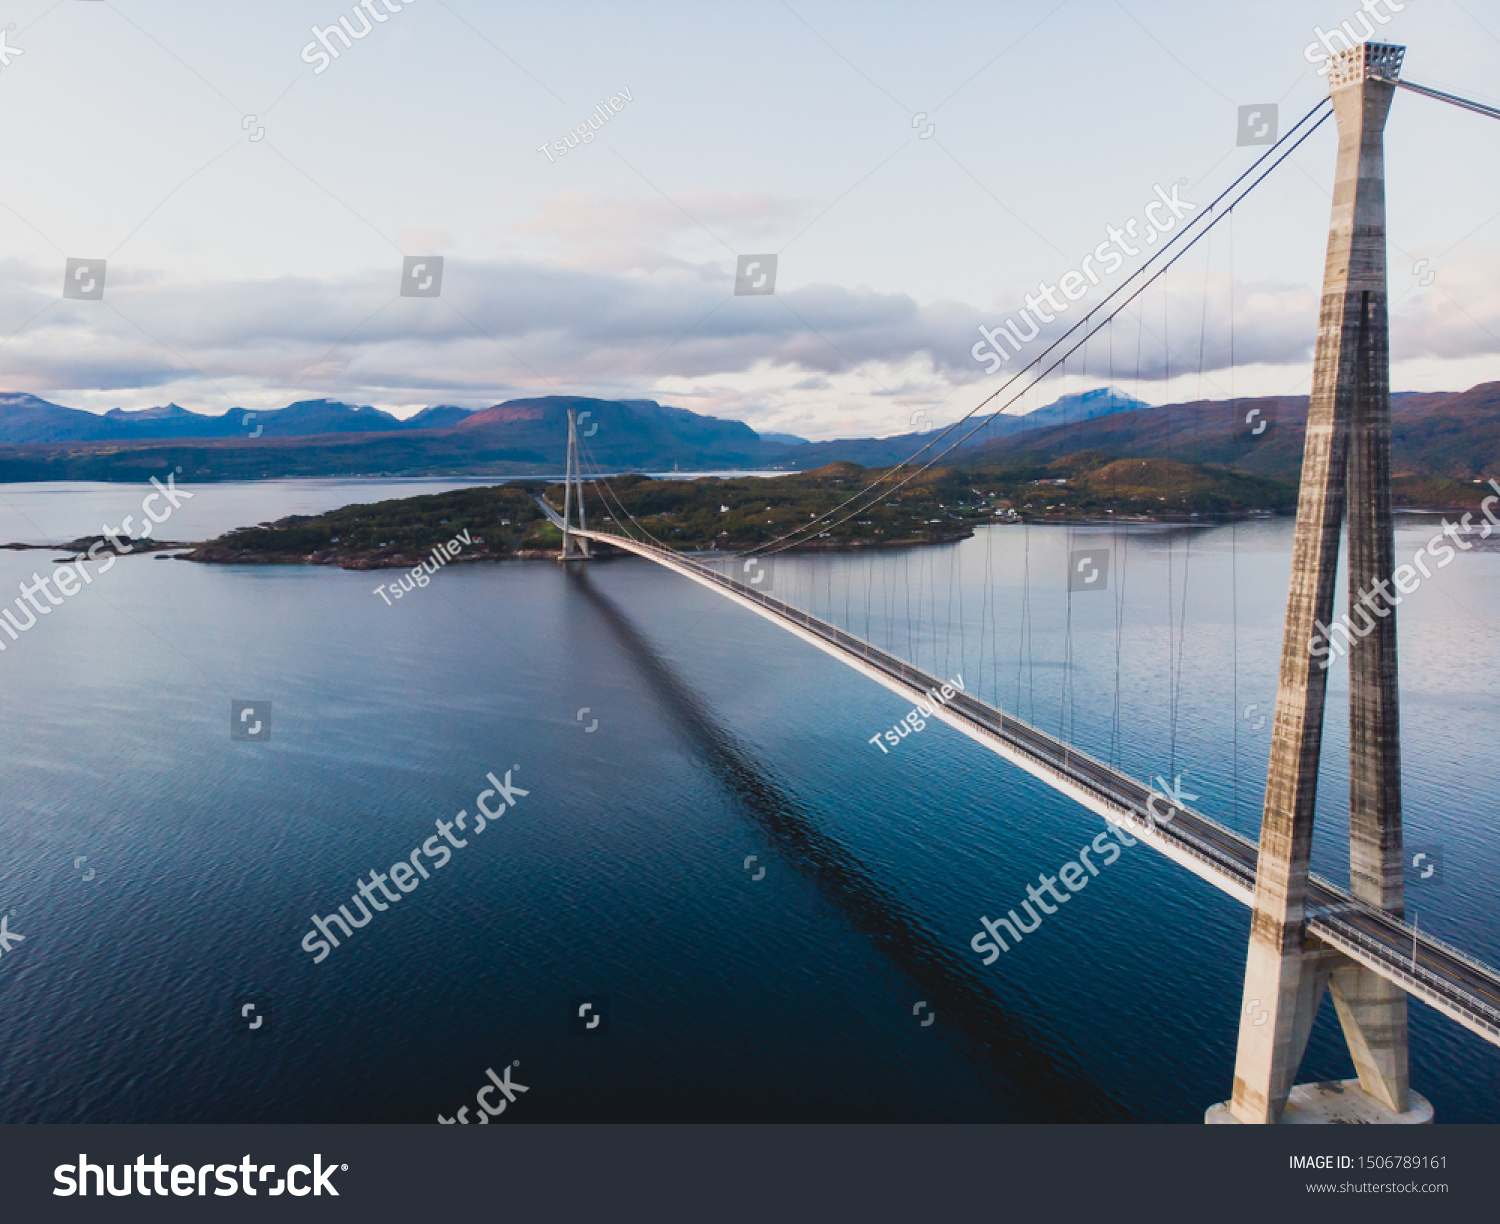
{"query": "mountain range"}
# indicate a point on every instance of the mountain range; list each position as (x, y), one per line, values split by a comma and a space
(25, 419)
(1449, 435)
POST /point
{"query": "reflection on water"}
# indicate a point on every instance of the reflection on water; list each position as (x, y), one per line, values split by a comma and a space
(936, 971)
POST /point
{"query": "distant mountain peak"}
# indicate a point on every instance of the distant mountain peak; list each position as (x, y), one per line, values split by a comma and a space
(24, 399)
(1083, 405)
(149, 414)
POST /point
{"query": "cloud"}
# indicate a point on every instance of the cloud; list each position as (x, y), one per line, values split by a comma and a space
(507, 327)
(1456, 315)
(620, 234)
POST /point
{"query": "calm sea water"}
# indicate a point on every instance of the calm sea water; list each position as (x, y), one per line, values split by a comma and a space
(621, 878)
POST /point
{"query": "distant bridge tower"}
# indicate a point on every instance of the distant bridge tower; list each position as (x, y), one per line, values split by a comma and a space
(1346, 458)
(574, 548)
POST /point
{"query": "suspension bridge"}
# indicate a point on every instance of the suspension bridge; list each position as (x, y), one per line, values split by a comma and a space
(1308, 935)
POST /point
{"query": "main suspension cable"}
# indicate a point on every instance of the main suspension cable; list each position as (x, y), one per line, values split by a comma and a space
(769, 548)
(1479, 108)
(771, 545)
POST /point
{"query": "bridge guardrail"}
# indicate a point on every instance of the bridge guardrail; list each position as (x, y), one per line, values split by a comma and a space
(1423, 980)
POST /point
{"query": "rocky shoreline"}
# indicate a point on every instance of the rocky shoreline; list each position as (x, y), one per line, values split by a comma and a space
(380, 561)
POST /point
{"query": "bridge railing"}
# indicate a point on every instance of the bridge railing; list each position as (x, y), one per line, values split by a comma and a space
(1417, 978)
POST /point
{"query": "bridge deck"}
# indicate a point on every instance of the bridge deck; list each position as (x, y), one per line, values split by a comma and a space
(1442, 976)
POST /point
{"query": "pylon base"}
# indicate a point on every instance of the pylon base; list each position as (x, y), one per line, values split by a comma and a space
(1334, 1103)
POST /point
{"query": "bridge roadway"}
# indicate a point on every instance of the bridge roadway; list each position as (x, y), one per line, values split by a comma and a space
(1445, 978)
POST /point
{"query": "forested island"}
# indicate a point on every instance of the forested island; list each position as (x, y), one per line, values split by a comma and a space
(936, 506)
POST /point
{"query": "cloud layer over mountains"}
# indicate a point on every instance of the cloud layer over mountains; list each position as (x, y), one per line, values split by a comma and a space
(530, 328)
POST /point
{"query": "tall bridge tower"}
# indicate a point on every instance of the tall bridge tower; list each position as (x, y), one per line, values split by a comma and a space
(574, 547)
(1346, 463)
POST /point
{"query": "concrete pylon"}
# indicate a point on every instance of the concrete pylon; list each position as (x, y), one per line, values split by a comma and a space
(1347, 451)
(573, 548)
(1371, 1009)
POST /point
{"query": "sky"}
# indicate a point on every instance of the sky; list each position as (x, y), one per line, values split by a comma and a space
(916, 169)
